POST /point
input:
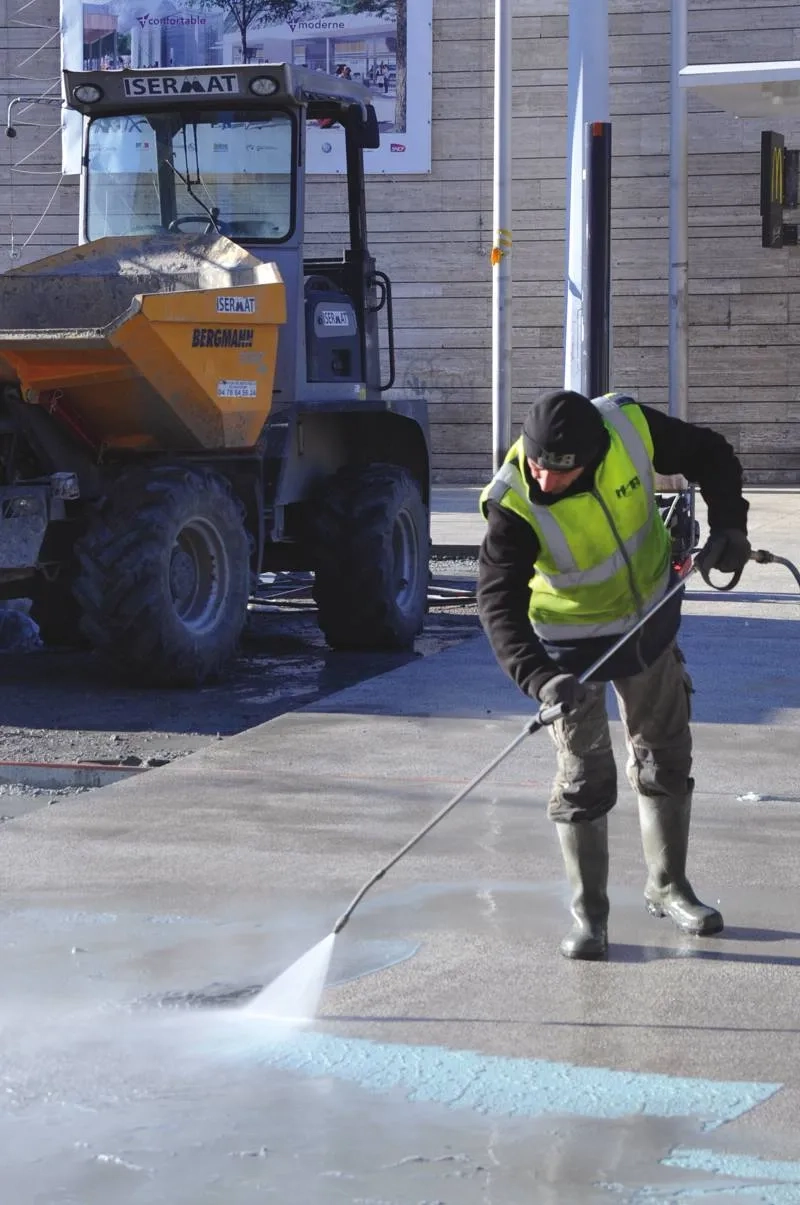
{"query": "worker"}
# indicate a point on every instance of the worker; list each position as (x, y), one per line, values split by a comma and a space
(575, 552)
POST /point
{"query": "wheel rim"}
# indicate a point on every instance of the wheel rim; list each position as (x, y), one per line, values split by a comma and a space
(199, 576)
(405, 543)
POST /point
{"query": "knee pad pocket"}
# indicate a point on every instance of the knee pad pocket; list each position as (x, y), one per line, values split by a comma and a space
(659, 772)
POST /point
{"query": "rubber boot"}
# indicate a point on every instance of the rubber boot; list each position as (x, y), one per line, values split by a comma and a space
(665, 838)
(585, 851)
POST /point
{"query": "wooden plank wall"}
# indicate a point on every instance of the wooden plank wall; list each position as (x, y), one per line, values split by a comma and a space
(38, 207)
(744, 361)
(433, 233)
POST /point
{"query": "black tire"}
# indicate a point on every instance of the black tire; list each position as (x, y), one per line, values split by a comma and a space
(372, 552)
(58, 616)
(164, 576)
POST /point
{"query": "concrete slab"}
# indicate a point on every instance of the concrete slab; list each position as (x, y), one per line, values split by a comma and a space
(455, 518)
(206, 880)
(456, 1057)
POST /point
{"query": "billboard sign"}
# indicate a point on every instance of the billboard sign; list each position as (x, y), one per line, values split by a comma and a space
(386, 45)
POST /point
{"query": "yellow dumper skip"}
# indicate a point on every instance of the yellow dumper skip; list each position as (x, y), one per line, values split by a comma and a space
(148, 343)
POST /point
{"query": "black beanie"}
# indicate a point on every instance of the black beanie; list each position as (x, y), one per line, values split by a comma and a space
(563, 431)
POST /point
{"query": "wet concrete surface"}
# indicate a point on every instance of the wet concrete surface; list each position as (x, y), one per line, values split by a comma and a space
(108, 1094)
(66, 705)
(185, 1109)
(456, 1058)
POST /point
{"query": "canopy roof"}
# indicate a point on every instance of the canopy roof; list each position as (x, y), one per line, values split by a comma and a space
(747, 89)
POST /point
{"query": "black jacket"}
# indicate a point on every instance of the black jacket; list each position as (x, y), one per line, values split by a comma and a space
(510, 549)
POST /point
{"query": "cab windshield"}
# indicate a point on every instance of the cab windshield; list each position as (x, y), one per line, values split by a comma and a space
(191, 173)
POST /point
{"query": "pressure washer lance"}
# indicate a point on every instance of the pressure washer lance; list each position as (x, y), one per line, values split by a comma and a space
(548, 715)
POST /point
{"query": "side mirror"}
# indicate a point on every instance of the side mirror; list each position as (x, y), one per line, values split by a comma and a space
(364, 123)
(371, 136)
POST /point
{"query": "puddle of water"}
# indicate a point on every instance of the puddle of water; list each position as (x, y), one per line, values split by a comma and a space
(350, 961)
(168, 962)
(140, 1109)
(101, 1101)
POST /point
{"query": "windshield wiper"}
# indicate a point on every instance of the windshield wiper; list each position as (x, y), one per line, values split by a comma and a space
(213, 214)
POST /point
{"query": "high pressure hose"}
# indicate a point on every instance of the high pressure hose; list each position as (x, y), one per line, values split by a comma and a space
(762, 557)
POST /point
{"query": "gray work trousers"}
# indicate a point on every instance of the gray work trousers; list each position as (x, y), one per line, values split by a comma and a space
(656, 709)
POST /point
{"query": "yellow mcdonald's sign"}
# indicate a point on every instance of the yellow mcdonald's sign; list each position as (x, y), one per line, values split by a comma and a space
(780, 173)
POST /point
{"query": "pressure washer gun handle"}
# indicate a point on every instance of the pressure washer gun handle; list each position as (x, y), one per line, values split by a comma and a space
(549, 715)
(705, 574)
(731, 585)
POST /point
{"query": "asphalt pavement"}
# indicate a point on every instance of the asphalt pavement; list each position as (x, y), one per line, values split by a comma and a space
(456, 1057)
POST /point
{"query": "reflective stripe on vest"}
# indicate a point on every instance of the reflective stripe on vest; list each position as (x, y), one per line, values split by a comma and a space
(509, 477)
(612, 627)
(557, 568)
(614, 413)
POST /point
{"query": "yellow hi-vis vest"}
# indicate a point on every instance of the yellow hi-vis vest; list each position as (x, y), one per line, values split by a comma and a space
(604, 555)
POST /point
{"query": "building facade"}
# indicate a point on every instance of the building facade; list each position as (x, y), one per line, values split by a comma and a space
(433, 233)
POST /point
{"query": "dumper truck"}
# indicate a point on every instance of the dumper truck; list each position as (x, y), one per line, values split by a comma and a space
(191, 397)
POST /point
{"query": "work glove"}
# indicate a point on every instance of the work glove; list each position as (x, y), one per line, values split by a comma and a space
(564, 689)
(726, 550)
